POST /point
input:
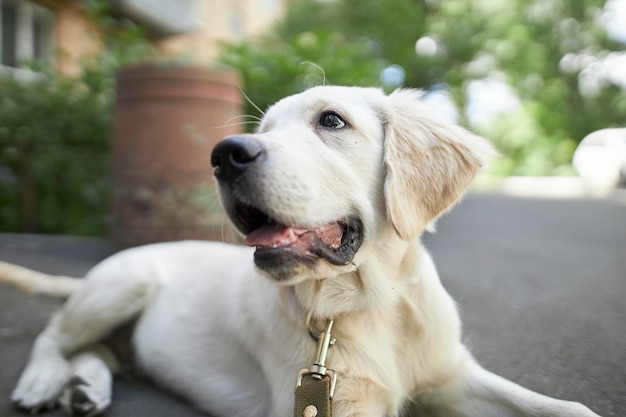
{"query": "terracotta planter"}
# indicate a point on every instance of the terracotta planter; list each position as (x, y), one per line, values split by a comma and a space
(166, 122)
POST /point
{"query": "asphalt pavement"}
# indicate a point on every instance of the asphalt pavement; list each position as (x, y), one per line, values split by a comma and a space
(541, 284)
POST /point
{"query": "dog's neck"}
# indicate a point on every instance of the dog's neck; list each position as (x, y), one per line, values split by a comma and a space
(364, 307)
(362, 290)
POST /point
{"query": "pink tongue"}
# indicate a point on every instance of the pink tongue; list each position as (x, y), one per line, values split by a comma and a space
(272, 234)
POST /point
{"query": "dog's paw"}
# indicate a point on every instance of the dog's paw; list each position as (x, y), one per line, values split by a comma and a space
(83, 399)
(40, 385)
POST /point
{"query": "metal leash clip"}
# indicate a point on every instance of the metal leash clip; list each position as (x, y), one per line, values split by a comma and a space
(318, 369)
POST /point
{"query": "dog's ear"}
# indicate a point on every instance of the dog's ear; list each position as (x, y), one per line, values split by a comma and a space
(429, 163)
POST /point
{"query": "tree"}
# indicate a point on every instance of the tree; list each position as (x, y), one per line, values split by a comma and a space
(521, 42)
(275, 68)
(526, 42)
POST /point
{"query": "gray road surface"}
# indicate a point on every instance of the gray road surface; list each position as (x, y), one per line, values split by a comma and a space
(541, 285)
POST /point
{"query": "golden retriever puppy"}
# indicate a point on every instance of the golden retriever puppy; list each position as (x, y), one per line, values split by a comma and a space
(331, 195)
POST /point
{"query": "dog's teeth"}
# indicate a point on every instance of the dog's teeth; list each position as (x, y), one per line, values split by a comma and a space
(274, 245)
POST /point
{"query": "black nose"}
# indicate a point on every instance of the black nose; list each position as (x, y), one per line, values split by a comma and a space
(233, 155)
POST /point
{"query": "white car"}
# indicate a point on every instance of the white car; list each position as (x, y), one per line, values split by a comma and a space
(600, 158)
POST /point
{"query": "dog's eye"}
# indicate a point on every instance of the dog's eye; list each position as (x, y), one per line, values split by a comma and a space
(332, 120)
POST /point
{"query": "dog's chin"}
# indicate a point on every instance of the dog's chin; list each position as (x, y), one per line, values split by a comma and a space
(284, 268)
(287, 253)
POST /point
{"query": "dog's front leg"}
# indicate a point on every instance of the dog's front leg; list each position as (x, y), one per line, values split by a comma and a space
(483, 394)
(356, 397)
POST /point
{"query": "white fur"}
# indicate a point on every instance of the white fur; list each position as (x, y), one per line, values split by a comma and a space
(227, 337)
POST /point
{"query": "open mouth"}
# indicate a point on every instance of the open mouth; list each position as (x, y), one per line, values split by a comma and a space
(337, 242)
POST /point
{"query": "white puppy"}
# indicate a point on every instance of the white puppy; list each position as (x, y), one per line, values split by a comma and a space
(332, 193)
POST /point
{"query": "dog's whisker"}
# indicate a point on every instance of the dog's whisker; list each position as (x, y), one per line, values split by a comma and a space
(257, 118)
(247, 122)
(223, 227)
(249, 100)
(319, 68)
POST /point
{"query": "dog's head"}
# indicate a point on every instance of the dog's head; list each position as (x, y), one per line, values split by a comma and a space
(333, 169)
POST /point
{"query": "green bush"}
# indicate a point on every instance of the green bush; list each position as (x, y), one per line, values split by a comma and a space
(524, 147)
(55, 133)
(54, 146)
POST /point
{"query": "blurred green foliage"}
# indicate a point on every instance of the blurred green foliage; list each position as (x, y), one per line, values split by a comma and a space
(54, 153)
(54, 138)
(520, 42)
(277, 68)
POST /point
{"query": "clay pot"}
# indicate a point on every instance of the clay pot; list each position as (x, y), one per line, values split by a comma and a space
(166, 122)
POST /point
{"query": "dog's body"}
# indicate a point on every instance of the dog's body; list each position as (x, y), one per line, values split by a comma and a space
(333, 191)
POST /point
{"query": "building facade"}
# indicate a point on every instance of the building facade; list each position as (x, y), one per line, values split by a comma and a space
(59, 31)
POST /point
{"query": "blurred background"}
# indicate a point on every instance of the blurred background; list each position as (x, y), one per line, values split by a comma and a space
(87, 149)
(109, 111)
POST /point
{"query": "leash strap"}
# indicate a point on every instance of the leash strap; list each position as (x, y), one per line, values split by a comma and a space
(316, 385)
(313, 399)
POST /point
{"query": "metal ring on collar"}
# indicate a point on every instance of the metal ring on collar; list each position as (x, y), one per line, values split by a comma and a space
(314, 333)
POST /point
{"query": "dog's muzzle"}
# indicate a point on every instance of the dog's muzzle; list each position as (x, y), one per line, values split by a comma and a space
(279, 247)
